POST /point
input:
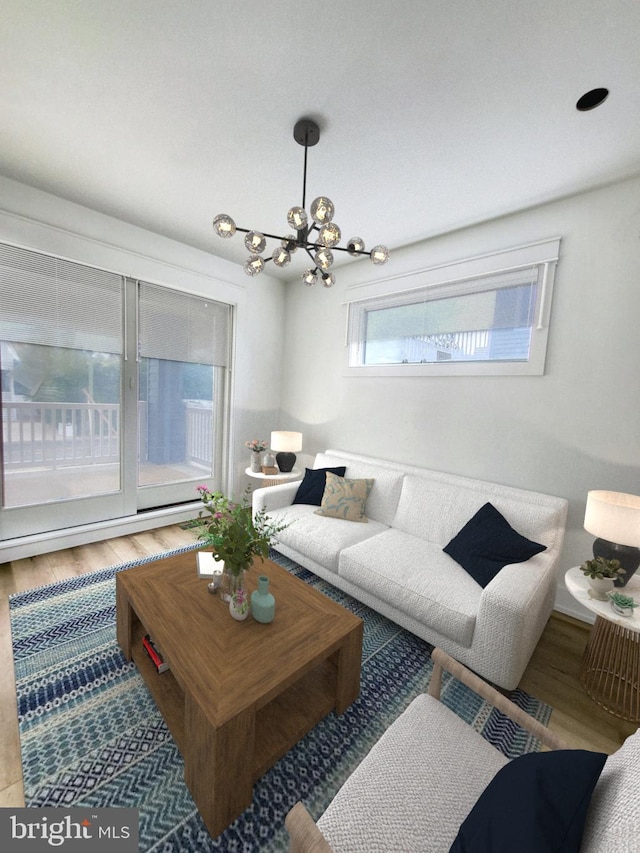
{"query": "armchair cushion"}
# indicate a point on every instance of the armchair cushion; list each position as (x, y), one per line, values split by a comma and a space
(487, 543)
(311, 488)
(535, 804)
(415, 787)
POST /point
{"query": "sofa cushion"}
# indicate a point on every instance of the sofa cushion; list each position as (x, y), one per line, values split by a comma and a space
(345, 498)
(387, 802)
(613, 819)
(383, 498)
(417, 578)
(435, 506)
(535, 804)
(321, 539)
(311, 488)
(487, 543)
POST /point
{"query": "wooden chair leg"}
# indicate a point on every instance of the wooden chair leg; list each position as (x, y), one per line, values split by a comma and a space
(304, 835)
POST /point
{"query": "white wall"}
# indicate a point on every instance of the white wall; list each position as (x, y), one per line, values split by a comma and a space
(44, 222)
(575, 428)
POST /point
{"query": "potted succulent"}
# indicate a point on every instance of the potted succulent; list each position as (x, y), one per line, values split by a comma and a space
(622, 604)
(602, 575)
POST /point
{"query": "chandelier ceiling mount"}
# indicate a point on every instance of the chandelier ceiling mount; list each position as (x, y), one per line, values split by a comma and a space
(315, 233)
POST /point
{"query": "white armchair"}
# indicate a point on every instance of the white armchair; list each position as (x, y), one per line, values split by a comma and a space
(421, 780)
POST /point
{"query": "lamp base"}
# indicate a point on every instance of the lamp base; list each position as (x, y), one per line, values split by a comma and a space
(627, 555)
(285, 461)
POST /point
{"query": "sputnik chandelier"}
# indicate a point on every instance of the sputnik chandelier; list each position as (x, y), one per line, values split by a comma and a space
(318, 238)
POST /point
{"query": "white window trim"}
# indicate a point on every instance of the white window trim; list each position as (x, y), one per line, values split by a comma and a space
(544, 253)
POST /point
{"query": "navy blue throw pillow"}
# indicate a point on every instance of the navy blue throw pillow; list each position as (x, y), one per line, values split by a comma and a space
(536, 803)
(487, 543)
(311, 489)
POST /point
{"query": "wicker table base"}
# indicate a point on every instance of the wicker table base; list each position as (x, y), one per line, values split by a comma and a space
(610, 669)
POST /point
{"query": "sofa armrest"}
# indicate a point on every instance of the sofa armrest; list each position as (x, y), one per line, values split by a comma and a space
(269, 498)
(513, 611)
(304, 835)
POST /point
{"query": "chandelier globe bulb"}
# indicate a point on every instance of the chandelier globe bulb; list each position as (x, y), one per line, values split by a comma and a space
(224, 226)
(379, 255)
(290, 243)
(329, 235)
(297, 218)
(310, 277)
(255, 242)
(355, 245)
(281, 257)
(323, 258)
(328, 279)
(254, 265)
(322, 210)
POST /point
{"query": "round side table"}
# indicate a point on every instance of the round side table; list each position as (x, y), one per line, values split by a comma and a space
(610, 669)
(274, 479)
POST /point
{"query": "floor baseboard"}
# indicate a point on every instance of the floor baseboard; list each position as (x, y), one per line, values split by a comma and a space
(72, 537)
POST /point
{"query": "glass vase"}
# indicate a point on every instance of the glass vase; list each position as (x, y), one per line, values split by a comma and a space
(239, 604)
(232, 581)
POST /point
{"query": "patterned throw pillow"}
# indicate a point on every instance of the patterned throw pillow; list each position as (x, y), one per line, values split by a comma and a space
(344, 498)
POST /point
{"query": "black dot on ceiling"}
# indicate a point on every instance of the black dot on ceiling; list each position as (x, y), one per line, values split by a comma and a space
(591, 100)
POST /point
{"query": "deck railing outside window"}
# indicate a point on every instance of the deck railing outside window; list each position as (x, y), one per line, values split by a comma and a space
(53, 435)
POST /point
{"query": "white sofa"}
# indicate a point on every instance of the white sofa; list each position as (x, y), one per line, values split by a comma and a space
(395, 564)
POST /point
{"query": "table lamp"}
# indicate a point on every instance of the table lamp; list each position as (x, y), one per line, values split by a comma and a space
(614, 517)
(286, 445)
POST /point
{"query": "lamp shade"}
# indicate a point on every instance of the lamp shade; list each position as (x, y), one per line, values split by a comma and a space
(614, 516)
(286, 442)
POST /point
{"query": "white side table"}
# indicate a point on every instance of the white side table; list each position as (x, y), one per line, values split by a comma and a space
(610, 669)
(274, 479)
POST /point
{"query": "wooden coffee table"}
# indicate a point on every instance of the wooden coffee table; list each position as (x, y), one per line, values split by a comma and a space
(238, 695)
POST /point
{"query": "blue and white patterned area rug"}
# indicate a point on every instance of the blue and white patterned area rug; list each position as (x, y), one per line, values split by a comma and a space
(91, 735)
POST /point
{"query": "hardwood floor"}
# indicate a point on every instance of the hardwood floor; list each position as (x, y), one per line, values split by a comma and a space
(552, 674)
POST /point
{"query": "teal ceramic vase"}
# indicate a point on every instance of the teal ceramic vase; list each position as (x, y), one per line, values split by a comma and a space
(263, 604)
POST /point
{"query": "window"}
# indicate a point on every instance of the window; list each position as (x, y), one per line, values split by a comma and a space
(493, 319)
(114, 393)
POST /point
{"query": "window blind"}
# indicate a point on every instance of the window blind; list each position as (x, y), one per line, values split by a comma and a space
(179, 327)
(58, 303)
(495, 301)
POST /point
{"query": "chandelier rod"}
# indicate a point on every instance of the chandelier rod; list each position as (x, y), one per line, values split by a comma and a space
(280, 237)
(304, 173)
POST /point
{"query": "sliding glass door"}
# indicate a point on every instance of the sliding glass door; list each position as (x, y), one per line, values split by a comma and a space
(183, 346)
(114, 394)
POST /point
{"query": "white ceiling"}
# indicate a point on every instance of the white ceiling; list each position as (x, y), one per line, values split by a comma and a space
(434, 114)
